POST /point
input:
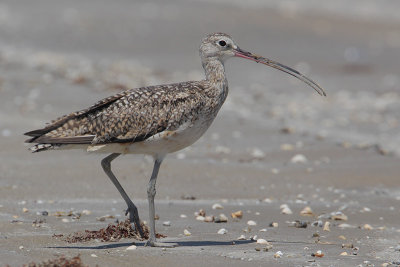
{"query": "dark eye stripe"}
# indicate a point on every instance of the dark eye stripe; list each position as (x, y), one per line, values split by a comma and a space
(222, 43)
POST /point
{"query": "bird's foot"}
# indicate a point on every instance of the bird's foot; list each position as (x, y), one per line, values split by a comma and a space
(151, 243)
(134, 218)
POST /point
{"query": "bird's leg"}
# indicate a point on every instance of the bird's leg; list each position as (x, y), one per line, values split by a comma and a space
(132, 210)
(151, 192)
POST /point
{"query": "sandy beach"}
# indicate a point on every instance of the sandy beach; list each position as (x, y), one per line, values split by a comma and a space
(275, 148)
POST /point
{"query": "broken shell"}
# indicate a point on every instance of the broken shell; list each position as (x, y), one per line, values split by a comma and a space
(209, 218)
(241, 237)
(299, 158)
(307, 211)
(300, 224)
(221, 218)
(237, 214)
(344, 253)
(318, 254)
(166, 223)
(251, 223)
(342, 237)
(183, 216)
(257, 153)
(273, 224)
(222, 231)
(327, 226)
(338, 216)
(262, 241)
(65, 220)
(286, 210)
(287, 147)
(186, 232)
(367, 227)
(201, 212)
(25, 210)
(200, 218)
(133, 247)
(278, 254)
(217, 206)
(318, 223)
(86, 212)
(263, 230)
(348, 245)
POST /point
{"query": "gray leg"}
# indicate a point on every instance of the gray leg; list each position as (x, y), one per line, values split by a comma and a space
(132, 210)
(151, 192)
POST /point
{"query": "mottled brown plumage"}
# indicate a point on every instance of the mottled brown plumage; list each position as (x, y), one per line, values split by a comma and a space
(154, 120)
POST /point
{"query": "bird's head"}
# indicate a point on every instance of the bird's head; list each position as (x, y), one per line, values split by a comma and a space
(220, 46)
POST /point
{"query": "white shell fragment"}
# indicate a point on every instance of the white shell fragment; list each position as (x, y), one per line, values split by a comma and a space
(166, 223)
(327, 226)
(222, 231)
(262, 241)
(307, 211)
(241, 237)
(186, 232)
(285, 209)
(133, 247)
(278, 254)
(217, 206)
(251, 223)
(299, 158)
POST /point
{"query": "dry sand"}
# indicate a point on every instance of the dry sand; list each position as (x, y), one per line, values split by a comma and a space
(59, 57)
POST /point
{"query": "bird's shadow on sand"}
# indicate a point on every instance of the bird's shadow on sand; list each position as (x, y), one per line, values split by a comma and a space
(181, 244)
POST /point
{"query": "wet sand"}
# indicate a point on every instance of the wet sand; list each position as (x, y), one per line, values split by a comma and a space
(56, 58)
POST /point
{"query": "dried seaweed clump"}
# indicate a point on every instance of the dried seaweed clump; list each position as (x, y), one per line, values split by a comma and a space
(113, 232)
(62, 261)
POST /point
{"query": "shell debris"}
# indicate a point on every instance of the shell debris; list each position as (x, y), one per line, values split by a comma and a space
(327, 226)
(285, 209)
(133, 247)
(251, 223)
(237, 214)
(241, 237)
(299, 158)
(278, 254)
(186, 232)
(222, 231)
(307, 211)
(217, 206)
(221, 218)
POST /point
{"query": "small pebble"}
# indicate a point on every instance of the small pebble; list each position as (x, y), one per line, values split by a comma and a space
(251, 223)
(45, 213)
(327, 226)
(186, 232)
(300, 224)
(133, 247)
(348, 245)
(299, 158)
(222, 231)
(278, 254)
(318, 223)
(217, 206)
(167, 223)
(237, 214)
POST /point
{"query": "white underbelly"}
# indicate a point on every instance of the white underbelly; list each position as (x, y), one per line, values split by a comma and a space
(160, 144)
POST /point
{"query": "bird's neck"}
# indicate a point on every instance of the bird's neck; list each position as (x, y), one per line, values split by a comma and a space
(215, 75)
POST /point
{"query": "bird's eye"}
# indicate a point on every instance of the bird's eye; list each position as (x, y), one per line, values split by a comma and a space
(222, 43)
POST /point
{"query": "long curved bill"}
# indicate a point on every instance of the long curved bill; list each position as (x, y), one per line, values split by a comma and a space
(247, 55)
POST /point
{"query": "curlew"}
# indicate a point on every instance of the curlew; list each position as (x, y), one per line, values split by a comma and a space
(152, 120)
